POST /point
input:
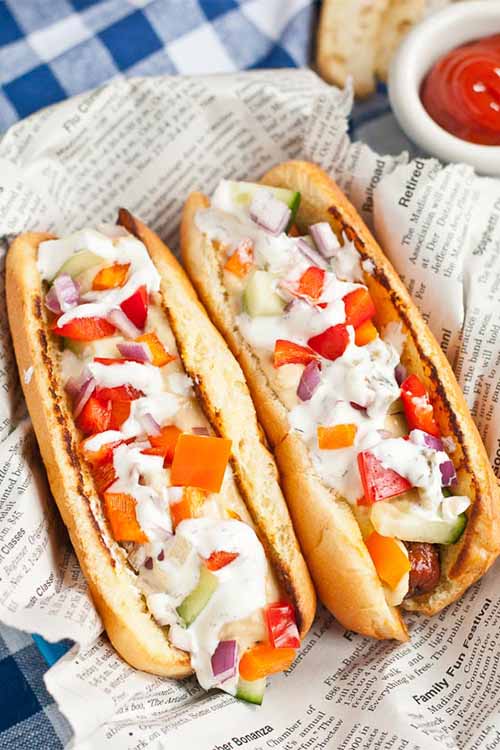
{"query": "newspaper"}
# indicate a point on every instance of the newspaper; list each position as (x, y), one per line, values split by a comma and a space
(144, 144)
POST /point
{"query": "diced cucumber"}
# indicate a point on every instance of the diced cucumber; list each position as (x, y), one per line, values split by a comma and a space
(105, 347)
(259, 297)
(243, 193)
(362, 514)
(197, 600)
(396, 407)
(402, 519)
(80, 262)
(396, 425)
(77, 347)
(251, 691)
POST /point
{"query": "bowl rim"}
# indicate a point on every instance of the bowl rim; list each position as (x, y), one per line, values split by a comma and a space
(453, 25)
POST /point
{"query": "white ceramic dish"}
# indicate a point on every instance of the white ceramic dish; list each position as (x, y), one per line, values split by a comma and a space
(436, 35)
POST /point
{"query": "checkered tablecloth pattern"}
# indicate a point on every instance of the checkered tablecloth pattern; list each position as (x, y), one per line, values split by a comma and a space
(52, 49)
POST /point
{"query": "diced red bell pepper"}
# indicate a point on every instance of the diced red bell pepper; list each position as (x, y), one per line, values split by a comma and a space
(95, 416)
(311, 283)
(332, 343)
(118, 393)
(111, 360)
(379, 483)
(120, 412)
(286, 352)
(281, 625)
(104, 474)
(101, 455)
(219, 559)
(418, 411)
(358, 307)
(136, 307)
(85, 329)
(164, 443)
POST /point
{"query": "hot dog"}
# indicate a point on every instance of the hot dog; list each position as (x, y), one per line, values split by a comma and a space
(389, 486)
(155, 459)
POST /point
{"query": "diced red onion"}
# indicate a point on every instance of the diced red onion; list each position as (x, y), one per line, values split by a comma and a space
(137, 351)
(419, 437)
(385, 434)
(118, 318)
(310, 253)
(63, 295)
(86, 391)
(400, 373)
(358, 406)
(150, 425)
(325, 239)
(224, 660)
(72, 387)
(200, 431)
(290, 305)
(309, 381)
(269, 213)
(448, 473)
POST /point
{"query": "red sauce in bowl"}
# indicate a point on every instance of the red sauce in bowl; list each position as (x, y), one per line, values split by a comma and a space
(462, 91)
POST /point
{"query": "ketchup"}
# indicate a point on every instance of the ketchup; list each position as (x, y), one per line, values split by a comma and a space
(462, 91)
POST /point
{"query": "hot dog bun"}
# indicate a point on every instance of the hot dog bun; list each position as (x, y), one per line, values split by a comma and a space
(227, 404)
(328, 532)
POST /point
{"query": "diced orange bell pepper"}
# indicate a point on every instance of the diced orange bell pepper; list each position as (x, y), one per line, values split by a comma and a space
(200, 461)
(189, 506)
(120, 512)
(164, 443)
(365, 333)
(85, 329)
(286, 352)
(418, 410)
(263, 659)
(390, 561)
(120, 412)
(337, 436)
(311, 283)
(159, 354)
(111, 277)
(94, 417)
(241, 261)
(358, 307)
(219, 559)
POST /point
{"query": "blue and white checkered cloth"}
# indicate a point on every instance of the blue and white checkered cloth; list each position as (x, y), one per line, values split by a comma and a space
(52, 49)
